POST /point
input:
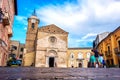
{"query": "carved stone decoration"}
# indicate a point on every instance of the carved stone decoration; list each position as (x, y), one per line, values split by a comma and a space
(51, 53)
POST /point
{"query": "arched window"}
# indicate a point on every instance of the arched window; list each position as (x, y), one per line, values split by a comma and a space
(88, 55)
(80, 56)
(33, 25)
(108, 47)
(52, 39)
(72, 56)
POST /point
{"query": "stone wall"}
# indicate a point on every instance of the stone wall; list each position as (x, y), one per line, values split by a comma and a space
(29, 59)
(46, 49)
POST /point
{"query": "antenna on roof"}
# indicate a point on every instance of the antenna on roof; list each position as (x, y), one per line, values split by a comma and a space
(34, 13)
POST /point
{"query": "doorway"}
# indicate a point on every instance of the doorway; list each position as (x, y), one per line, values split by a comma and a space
(119, 61)
(51, 61)
(80, 65)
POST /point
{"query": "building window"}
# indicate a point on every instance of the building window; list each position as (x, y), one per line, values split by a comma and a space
(21, 56)
(33, 25)
(108, 49)
(80, 56)
(72, 56)
(88, 55)
(13, 47)
(52, 39)
(119, 44)
(21, 49)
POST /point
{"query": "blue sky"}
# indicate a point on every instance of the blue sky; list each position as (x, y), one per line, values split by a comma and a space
(83, 19)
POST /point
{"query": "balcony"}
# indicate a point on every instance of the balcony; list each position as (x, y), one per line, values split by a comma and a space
(108, 54)
(6, 19)
(117, 51)
(80, 59)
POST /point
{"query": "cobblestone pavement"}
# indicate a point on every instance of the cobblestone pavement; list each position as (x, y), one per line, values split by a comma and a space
(32, 73)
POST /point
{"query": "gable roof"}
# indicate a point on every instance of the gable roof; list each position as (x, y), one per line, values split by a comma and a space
(52, 29)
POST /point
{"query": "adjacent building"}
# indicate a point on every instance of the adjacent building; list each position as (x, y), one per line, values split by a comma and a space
(99, 38)
(110, 47)
(47, 46)
(8, 8)
(78, 57)
(19, 49)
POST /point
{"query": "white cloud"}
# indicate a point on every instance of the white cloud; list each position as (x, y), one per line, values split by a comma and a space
(25, 28)
(85, 40)
(104, 9)
(89, 35)
(88, 16)
(80, 42)
(21, 19)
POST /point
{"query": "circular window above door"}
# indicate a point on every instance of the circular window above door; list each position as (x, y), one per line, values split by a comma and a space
(52, 39)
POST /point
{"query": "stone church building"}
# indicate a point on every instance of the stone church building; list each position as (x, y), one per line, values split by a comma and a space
(47, 46)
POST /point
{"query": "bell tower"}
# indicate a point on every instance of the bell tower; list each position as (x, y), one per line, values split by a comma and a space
(33, 22)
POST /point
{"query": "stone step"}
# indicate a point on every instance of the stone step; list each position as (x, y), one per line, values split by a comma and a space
(32, 73)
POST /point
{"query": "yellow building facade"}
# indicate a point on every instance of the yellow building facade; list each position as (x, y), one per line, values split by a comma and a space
(78, 57)
(110, 47)
(47, 46)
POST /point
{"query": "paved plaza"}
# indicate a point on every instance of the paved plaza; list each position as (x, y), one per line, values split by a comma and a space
(32, 73)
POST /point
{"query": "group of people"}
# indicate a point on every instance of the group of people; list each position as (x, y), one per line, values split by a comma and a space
(96, 59)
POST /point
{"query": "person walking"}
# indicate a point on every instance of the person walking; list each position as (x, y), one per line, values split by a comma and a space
(100, 60)
(92, 60)
(96, 54)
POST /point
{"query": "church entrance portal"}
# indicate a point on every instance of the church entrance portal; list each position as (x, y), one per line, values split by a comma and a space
(51, 61)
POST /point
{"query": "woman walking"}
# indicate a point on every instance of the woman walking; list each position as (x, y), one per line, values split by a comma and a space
(92, 60)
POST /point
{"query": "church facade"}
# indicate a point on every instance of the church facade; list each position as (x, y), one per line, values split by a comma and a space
(47, 46)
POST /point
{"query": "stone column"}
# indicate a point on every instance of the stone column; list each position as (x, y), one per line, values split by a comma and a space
(47, 61)
(55, 63)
